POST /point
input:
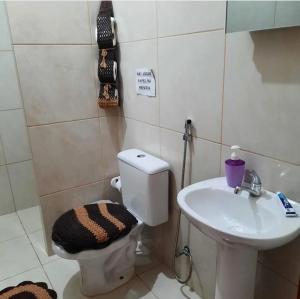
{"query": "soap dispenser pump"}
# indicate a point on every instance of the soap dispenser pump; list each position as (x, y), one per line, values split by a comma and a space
(234, 168)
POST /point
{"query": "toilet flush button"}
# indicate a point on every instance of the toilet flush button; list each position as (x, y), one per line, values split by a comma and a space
(141, 156)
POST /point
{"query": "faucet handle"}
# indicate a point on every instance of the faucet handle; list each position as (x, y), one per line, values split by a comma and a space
(251, 177)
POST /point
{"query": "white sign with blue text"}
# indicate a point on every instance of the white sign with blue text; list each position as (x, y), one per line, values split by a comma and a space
(145, 82)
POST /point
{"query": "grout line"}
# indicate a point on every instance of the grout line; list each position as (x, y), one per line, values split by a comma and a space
(76, 187)
(277, 273)
(192, 33)
(11, 109)
(2, 280)
(61, 122)
(222, 105)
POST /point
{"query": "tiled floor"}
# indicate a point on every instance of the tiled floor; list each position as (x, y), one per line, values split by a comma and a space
(22, 257)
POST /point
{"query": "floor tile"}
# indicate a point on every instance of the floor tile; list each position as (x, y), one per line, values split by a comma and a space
(61, 274)
(37, 241)
(16, 256)
(31, 219)
(163, 285)
(65, 278)
(35, 275)
(10, 227)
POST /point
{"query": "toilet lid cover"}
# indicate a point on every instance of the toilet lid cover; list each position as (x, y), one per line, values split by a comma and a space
(92, 226)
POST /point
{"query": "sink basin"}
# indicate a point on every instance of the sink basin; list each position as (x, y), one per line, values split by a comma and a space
(259, 222)
(241, 225)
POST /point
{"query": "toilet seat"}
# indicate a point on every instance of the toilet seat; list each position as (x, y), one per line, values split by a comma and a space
(103, 270)
(93, 253)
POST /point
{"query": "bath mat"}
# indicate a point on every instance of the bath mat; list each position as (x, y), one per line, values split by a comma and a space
(92, 226)
(28, 290)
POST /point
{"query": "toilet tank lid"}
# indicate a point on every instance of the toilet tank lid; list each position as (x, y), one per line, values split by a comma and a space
(143, 161)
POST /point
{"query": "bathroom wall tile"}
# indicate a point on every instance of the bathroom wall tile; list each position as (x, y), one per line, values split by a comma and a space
(128, 14)
(54, 205)
(112, 135)
(197, 166)
(6, 202)
(10, 97)
(190, 16)
(141, 54)
(70, 156)
(23, 184)
(190, 79)
(284, 260)
(59, 86)
(5, 43)
(14, 136)
(49, 22)
(142, 136)
(275, 175)
(204, 250)
(260, 106)
(270, 285)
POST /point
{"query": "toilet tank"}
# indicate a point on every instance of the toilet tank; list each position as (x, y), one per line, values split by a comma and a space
(145, 185)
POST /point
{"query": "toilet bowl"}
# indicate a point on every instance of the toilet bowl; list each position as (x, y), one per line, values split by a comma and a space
(144, 185)
(103, 270)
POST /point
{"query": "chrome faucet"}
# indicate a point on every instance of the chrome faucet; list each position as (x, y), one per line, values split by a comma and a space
(251, 183)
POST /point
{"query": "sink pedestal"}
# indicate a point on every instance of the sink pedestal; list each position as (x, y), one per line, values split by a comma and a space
(236, 271)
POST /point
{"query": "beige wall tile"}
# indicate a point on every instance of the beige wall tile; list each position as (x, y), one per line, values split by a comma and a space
(261, 109)
(56, 204)
(190, 80)
(59, 86)
(284, 260)
(190, 16)
(10, 97)
(23, 184)
(135, 20)
(275, 175)
(6, 202)
(66, 154)
(128, 14)
(48, 22)
(14, 136)
(5, 43)
(142, 54)
(203, 160)
(112, 135)
(270, 285)
(142, 136)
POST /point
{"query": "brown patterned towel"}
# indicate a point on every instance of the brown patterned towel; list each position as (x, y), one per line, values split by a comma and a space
(92, 226)
(28, 290)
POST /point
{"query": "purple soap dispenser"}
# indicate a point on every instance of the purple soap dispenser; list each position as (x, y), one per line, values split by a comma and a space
(234, 168)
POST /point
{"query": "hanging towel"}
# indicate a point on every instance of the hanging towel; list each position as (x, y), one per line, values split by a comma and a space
(107, 66)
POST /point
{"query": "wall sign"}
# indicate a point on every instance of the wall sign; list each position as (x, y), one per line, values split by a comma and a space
(145, 82)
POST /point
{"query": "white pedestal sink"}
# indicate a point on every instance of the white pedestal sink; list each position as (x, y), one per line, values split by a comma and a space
(241, 225)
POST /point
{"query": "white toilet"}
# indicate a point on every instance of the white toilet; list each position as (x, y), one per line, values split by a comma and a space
(144, 185)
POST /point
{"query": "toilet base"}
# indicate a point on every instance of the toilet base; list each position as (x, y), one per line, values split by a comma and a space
(102, 275)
